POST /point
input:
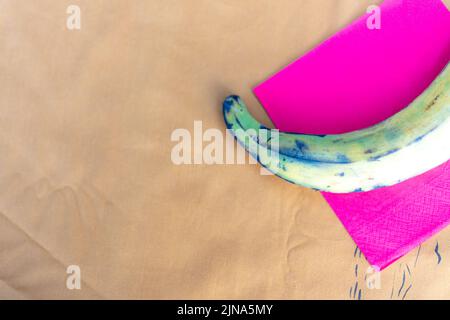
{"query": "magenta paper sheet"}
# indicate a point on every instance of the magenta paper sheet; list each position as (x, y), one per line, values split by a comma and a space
(355, 79)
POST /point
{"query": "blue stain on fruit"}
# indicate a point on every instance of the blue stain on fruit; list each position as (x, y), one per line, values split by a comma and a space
(436, 250)
(239, 122)
(342, 158)
(228, 104)
(282, 166)
(374, 158)
(419, 138)
(392, 134)
(302, 147)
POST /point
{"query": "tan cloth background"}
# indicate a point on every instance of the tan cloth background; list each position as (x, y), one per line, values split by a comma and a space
(86, 176)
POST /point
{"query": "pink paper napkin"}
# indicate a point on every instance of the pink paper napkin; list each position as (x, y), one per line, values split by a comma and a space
(355, 79)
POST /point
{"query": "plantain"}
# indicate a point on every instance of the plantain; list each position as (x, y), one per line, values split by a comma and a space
(409, 143)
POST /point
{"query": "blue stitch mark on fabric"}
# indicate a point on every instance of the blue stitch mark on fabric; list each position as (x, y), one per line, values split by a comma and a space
(403, 283)
(417, 256)
(436, 250)
(358, 190)
(406, 292)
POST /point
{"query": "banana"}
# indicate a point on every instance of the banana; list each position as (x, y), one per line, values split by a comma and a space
(409, 143)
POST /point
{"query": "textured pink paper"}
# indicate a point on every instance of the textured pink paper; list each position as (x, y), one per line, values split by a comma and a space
(358, 78)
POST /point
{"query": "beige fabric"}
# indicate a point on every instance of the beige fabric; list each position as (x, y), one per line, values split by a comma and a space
(86, 176)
